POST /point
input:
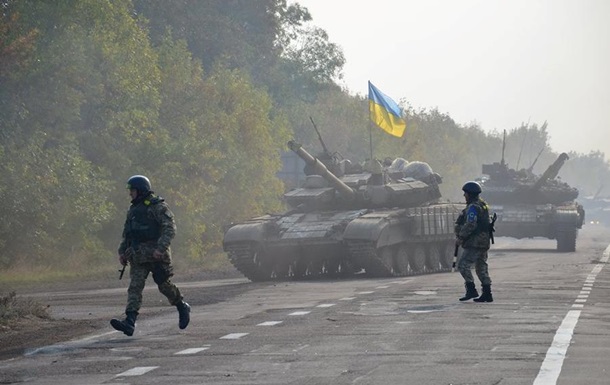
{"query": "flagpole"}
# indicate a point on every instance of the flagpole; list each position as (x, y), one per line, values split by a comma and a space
(371, 136)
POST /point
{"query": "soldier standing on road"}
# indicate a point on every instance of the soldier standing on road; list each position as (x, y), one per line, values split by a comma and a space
(147, 234)
(472, 230)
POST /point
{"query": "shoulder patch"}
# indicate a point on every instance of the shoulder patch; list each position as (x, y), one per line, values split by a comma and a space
(471, 214)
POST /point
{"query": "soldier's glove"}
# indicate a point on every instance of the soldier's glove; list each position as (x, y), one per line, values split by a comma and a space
(128, 255)
(158, 255)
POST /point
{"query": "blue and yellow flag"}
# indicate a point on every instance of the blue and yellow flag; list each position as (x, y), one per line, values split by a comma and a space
(385, 113)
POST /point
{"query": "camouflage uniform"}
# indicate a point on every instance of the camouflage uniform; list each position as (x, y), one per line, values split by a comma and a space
(472, 228)
(149, 225)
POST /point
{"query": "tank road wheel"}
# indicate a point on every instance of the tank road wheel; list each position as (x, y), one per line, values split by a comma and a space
(566, 240)
(386, 256)
(264, 264)
(299, 268)
(447, 255)
(314, 267)
(331, 265)
(344, 269)
(417, 259)
(433, 258)
(281, 270)
(402, 260)
(334, 267)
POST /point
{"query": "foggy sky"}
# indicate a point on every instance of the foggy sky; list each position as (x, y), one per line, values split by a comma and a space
(496, 63)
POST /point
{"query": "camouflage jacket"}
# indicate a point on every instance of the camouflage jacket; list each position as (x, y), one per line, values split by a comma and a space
(149, 225)
(472, 226)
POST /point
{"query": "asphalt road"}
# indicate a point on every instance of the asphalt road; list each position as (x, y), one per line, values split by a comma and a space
(549, 324)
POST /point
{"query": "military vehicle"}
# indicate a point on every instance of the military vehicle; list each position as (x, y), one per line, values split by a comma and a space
(597, 208)
(377, 220)
(533, 206)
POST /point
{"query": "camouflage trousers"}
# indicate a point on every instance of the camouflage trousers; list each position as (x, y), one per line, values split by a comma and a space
(478, 258)
(161, 272)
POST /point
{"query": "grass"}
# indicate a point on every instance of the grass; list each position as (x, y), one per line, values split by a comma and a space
(13, 308)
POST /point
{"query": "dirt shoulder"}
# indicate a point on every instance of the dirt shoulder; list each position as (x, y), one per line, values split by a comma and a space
(19, 338)
(22, 335)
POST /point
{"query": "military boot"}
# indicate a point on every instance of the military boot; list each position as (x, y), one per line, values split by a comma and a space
(126, 326)
(471, 291)
(486, 296)
(184, 311)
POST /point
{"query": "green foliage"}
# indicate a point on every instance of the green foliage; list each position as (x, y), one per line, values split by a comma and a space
(201, 96)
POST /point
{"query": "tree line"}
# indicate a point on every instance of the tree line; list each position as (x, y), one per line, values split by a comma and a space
(201, 96)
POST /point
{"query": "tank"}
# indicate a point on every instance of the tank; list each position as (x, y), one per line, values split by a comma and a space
(530, 205)
(381, 220)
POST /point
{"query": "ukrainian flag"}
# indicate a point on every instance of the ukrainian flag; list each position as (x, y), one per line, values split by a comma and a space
(385, 113)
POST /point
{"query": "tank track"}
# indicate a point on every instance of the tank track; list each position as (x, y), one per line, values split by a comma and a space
(243, 257)
(405, 259)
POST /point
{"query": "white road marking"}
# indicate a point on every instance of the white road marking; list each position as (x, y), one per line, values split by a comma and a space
(588, 285)
(425, 292)
(551, 366)
(269, 323)
(326, 305)
(137, 371)
(580, 300)
(233, 336)
(365, 292)
(300, 348)
(381, 287)
(421, 311)
(191, 351)
(578, 305)
(586, 290)
(583, 296)
(347, 298)
(300, 312)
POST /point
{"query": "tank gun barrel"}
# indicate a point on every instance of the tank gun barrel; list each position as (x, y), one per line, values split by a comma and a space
(552, 171)
(321, 169)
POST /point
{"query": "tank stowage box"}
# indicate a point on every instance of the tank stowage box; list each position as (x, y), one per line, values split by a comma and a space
(380, 221)
(533, 206)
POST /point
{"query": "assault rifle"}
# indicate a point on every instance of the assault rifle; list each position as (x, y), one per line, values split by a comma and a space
(491, 227)
(122, 271)
(455, 253)
(129, 252)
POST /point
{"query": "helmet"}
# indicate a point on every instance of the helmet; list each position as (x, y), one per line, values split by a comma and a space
(140, 183)
(472, 187)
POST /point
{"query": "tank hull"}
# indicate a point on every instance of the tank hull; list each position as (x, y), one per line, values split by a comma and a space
(559, 222)
(380, 243)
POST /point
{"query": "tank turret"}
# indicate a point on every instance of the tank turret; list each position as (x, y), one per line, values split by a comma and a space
(529, 205)
(370, 188)
(505, 185)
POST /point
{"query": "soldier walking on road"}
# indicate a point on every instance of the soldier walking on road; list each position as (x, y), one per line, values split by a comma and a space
(147, 234)
(472, 230)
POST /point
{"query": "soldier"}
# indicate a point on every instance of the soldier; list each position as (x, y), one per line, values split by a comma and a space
(472, 230)
(147, 234)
